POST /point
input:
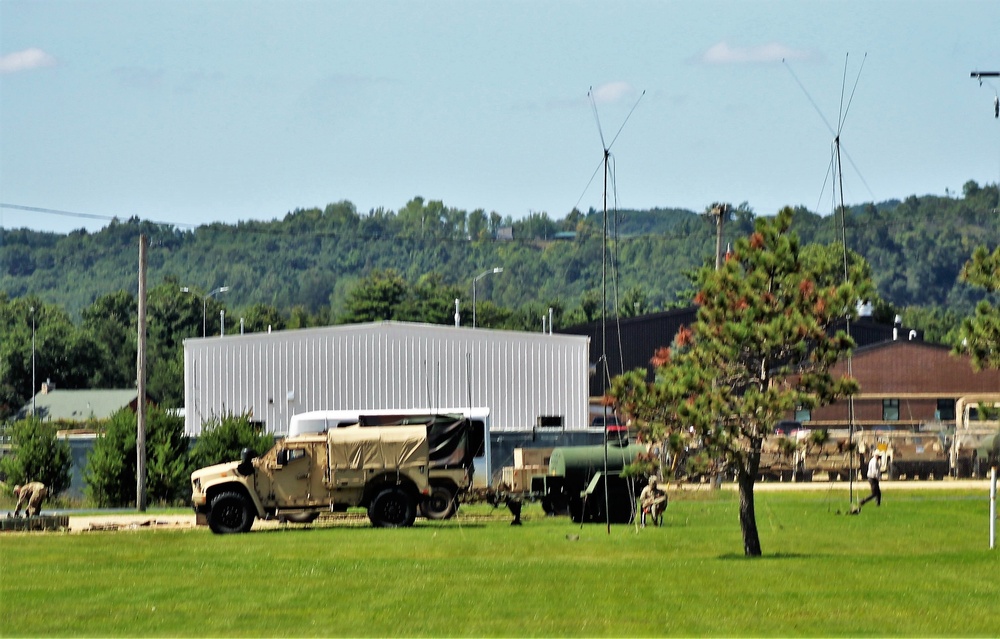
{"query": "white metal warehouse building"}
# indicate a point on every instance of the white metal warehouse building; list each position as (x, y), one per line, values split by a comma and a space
(388, 365)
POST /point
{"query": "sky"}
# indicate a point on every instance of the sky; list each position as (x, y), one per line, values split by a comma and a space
(191, 112)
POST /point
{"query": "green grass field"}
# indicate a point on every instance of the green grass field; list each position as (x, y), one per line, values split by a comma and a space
(918, 566)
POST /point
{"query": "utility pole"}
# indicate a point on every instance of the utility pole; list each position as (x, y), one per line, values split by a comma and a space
(140, 366)
(719, 212)
(34, 390)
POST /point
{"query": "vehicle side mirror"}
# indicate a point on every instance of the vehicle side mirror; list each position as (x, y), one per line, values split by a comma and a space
(282, 457)
(246, 465)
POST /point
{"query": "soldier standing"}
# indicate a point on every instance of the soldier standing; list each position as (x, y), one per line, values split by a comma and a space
(31, 494)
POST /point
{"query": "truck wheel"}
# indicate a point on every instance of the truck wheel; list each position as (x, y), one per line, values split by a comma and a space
(440, 504)
(392, 508)
(230, 513)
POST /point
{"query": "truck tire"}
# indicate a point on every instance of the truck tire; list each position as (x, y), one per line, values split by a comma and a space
(230, 513)
(440, 504)
(392, 508)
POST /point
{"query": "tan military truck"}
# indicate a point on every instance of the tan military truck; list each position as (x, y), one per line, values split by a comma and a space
(384, 469)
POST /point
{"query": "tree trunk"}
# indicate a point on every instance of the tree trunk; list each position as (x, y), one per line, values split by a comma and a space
(746, 478)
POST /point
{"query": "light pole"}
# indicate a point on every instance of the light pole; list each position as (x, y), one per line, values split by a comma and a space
(33, 413)
(204, 306)
(498, 269)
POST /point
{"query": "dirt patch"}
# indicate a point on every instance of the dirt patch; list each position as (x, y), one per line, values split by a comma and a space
(129, 522)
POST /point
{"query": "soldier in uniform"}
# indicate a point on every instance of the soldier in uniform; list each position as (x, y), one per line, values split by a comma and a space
(653, 501)
(32, 495)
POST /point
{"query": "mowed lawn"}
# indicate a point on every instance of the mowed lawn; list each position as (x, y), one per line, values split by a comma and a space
(918, 566)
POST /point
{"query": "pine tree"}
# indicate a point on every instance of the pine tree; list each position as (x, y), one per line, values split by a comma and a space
(980, 334)
(763, 345)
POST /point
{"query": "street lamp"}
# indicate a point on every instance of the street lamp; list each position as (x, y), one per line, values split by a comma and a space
(498, 269)
(204, 306)
(33, 413)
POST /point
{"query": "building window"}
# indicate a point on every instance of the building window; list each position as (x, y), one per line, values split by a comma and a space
(890, 410)
(802, 414)
(946, 410)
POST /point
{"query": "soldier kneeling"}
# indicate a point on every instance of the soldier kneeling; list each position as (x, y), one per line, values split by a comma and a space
(31, 494)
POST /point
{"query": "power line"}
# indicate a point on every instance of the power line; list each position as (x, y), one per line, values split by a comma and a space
(88, 216)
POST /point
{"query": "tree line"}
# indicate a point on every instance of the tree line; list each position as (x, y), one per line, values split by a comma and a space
(317, 267)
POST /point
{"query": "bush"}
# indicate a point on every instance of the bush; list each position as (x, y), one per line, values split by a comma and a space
(224, 438)
(36, 455)
(111, 466)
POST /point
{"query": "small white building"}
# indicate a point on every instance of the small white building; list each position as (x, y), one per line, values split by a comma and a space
(520, 377)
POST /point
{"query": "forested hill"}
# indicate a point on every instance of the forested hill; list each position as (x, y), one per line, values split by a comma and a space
(312, 258)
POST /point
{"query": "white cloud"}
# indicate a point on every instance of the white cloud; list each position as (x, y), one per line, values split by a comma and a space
(722, 53)
(611, 92)
(25, 60)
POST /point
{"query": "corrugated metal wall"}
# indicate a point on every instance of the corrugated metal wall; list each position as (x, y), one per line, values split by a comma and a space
(519, 376)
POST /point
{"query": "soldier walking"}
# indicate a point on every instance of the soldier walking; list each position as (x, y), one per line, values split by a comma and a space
(874, 474)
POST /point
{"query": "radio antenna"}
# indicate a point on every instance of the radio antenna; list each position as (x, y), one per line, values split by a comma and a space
(837, 165)
(603, 364)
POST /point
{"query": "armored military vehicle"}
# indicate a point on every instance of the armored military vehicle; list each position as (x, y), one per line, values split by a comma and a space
(384, 469)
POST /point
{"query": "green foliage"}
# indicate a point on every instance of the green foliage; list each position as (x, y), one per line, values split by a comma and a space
(110, 474)
(980, 334)
(760, 348)
(36, 455)
(334, 264)
(224, 438)
(168, 466)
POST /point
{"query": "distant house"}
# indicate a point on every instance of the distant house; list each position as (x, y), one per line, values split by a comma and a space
(57, 405)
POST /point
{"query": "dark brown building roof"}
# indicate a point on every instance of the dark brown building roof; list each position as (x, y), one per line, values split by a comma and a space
(900, 368)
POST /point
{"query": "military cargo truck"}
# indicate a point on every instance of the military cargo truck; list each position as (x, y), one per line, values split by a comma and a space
(976, 443)
(383, 469)
(457, 438)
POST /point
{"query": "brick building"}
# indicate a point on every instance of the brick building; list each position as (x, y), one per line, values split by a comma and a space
(904, 384)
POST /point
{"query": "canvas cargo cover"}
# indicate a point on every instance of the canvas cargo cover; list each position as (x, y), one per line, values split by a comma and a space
(377, 448)
(447, 436)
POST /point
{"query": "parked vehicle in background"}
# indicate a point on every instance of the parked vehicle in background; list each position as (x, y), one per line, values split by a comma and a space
(831, 453)
(384, 469)
(976, 443)
(916, 455)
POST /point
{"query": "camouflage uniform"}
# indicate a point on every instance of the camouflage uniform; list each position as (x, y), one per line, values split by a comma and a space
(31, 494)
(653, 500)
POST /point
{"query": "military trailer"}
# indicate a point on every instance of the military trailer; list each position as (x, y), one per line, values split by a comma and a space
(383, 469)
(916, 455)
(831, 454)
(576, 483)
(777, 458)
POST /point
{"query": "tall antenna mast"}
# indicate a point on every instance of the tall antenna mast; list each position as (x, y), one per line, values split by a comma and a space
(838, 167)
(603, 364)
